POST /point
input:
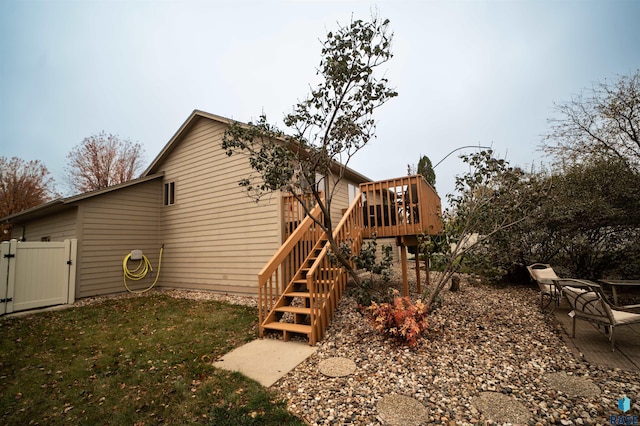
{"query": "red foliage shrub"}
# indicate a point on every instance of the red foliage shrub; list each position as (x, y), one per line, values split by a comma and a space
(402, 320)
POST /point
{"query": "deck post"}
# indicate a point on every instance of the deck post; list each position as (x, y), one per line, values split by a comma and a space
(418, 283)
(405, 282)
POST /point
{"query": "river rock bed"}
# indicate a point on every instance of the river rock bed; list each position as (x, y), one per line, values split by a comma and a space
(484, 343)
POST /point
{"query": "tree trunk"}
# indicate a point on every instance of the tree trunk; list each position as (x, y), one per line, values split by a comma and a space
(426, 268)
(343, 260)
(455, 283)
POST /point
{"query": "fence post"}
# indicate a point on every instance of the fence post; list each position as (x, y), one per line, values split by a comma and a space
(71, 248)
(8, 274)
(4, 275)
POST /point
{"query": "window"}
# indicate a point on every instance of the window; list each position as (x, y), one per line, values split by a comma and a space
(320, 182)
(169, 193)
(45, 239)
(353, 191)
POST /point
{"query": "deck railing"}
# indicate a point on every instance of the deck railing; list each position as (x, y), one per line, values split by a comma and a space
(402, 207)
(327, 280)
(405, 206)
(274, 277)
(293, 210)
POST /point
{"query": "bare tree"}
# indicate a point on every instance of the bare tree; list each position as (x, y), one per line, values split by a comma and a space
(23, 185)
(103, 160)
(601, 122)
(490, 200)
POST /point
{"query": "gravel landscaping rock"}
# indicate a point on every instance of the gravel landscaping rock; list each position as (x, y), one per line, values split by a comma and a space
(176, 293)
(482, 341)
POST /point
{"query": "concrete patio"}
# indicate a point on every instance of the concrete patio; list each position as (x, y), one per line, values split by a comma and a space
(593, 344)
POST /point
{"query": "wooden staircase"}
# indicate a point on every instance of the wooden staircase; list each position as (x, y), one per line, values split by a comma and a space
(292, 311)
(299, 288)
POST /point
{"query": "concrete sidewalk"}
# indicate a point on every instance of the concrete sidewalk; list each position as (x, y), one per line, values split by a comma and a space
(266, 360)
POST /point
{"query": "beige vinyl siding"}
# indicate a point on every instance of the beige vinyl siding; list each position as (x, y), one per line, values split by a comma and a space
(340, 201)
(113, 224)
(395, 249)
(57, 227)
(216, 237)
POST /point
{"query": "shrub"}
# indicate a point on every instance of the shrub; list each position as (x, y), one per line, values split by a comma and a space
(402, 319)
(379, 272)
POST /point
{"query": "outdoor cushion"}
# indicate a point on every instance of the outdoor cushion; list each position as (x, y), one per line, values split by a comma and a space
(585, 301)
(623, 317)
(544, 274)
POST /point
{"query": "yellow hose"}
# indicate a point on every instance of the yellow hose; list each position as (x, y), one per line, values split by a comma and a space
(141, 271)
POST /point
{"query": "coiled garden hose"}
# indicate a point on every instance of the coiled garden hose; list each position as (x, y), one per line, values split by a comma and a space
(141, 271)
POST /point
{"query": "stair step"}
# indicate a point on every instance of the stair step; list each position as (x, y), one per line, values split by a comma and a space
(298, 294)
(304, 282)
(304, 294)
(294, 309)
(287, 326)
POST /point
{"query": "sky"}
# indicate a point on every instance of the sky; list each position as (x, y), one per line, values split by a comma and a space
(481, 73)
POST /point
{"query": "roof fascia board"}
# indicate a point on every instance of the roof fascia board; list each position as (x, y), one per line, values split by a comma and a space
(32, 210)
(97, 192)
(352, 174)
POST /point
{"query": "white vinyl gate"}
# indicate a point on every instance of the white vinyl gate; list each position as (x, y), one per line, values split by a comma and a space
(35, 275)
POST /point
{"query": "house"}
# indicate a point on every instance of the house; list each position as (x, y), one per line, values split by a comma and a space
(214, 236)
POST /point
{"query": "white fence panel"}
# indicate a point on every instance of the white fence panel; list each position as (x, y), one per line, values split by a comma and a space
(38, 274)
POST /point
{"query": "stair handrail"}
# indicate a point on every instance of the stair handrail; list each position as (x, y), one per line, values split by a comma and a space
(336, 232)
(289, 243)
(267, 294)
(350, 228)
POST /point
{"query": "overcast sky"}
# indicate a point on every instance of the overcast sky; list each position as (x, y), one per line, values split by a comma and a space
(467, 72)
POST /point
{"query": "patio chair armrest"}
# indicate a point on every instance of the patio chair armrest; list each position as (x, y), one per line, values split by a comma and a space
(634, 309)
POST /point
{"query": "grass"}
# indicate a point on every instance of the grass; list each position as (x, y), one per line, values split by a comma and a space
(141, 360)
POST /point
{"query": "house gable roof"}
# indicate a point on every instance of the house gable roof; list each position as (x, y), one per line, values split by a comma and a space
(61, 204)
(190, 122)
(152, 172)
(179, 134)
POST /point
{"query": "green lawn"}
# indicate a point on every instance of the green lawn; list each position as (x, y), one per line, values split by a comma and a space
(141, 360)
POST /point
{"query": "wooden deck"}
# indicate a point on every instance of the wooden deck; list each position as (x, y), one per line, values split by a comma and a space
(402, 207)
(300, 287)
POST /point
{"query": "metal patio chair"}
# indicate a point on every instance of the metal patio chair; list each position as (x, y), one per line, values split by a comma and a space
(543, 274)
(589, 304)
